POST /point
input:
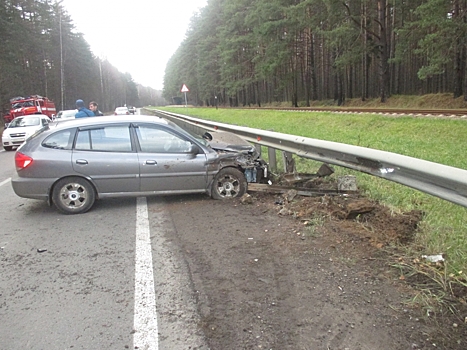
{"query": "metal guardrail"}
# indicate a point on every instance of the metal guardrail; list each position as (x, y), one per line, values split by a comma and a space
(439, 180)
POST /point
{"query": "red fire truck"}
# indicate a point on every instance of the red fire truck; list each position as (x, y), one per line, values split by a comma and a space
(33, 104)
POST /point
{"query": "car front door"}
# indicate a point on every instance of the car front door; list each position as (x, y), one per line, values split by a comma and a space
(168, 163)
(105, 154)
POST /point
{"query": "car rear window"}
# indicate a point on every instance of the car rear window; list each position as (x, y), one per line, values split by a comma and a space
(59, 140)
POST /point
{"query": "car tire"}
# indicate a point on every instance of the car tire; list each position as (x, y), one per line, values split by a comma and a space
(73, 195)
(229, 183)
(8, 148)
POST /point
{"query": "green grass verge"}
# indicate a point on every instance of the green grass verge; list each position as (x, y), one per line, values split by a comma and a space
(442, 141)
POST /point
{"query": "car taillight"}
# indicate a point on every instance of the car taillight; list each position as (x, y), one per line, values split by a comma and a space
(22, 161)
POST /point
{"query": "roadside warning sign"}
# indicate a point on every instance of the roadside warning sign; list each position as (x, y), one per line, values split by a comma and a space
(184, 89)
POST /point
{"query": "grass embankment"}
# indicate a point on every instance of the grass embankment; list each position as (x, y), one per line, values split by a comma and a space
(442, 141)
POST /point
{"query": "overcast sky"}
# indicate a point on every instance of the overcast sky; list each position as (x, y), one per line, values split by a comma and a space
(136, 36)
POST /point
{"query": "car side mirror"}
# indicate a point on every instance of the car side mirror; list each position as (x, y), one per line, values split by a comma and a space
(207, 136)
(194, 149)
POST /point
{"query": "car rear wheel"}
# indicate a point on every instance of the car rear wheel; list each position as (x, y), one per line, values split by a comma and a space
(73, 195)
(229, 183)
(8, 148)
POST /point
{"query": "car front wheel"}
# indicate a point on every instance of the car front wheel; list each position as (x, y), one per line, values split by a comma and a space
(73, 195)
(229, 183)
(8, 148)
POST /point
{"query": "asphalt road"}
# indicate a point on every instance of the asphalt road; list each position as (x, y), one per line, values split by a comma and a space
(189, 272)
(70, 282)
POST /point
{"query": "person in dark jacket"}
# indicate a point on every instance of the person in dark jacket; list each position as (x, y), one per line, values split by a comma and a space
(83, 112)
(94, 107)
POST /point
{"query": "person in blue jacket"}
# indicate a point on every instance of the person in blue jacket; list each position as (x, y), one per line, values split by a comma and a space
(83, 112)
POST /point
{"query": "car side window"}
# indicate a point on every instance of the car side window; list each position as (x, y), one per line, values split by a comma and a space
(104, 139)
(59, 140)
(155, 140)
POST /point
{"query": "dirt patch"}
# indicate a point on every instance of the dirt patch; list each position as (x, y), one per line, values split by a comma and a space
(363, 217)
(365, 229)
(294, 272)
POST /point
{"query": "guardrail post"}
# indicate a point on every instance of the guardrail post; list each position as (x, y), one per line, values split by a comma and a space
(258, 148)
(272, 160)
(289, 162)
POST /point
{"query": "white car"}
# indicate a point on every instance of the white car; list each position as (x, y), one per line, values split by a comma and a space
(21, 128)
(122, 111)
(66, 114)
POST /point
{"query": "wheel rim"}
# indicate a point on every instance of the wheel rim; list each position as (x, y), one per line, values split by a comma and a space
(73, 195)
(228, 186)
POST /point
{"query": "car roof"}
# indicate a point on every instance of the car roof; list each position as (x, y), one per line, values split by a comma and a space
(90, 121)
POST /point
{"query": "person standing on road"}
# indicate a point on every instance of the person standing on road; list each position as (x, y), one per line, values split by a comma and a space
(94, 107)
(83, 112)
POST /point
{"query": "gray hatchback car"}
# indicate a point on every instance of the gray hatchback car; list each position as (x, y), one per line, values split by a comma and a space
(72, 163)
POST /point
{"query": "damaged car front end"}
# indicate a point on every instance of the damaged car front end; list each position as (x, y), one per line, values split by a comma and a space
(234, 156)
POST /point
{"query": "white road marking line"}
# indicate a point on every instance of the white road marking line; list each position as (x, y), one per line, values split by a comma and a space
(5, 182)
(145, 321)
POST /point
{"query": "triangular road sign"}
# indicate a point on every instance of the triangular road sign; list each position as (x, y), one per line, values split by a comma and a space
(184, 88)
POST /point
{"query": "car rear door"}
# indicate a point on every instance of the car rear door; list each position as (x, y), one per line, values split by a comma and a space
(106, 155)
(167, 163)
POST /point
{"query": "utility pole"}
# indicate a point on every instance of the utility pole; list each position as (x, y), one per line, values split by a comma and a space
(62, 69)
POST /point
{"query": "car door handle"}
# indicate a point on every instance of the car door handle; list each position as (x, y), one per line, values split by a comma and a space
(81, 161)
(150, 162)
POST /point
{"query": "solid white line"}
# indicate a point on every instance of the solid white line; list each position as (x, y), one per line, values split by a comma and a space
(145, 321)
(5, 182)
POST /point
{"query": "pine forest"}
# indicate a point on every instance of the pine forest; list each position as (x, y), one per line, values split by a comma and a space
(257, 52)
(250, 52)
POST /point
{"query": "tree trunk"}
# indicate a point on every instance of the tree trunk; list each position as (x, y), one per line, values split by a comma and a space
(383, 51)
(459, 59)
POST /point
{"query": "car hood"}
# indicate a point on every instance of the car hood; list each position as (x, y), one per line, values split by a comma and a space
(228, 142)
(22, 129)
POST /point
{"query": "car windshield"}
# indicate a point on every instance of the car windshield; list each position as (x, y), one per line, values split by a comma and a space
(22, 104)
(66, 114)
(25, 121)
(198, 137)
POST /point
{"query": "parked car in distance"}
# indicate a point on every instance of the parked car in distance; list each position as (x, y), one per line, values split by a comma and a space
(132, 109)
(66, 114)
(73, 163)
(20, 128)
(121, 111)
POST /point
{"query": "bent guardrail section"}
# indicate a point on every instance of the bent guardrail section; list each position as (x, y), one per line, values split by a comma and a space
(439, 180)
